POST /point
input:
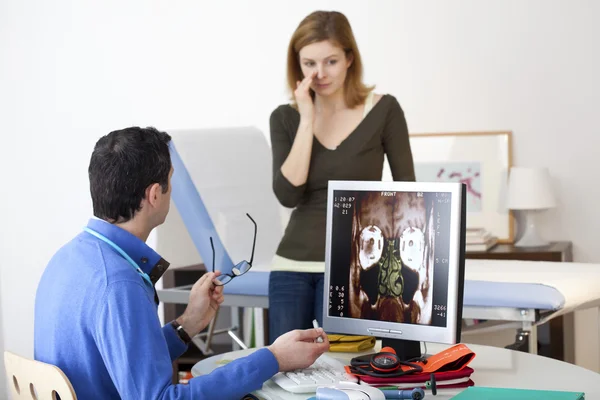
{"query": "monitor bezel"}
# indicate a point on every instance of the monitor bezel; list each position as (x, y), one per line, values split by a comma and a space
(425, 333)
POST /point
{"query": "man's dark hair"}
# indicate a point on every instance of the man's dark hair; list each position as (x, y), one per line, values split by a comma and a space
(124, 163)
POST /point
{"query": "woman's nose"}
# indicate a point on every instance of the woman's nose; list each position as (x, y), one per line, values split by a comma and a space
(320, 72)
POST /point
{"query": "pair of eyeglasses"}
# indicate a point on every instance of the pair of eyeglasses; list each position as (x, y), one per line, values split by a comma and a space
(240, 268)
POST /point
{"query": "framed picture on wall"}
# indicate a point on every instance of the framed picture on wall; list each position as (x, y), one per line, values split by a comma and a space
(480, 160)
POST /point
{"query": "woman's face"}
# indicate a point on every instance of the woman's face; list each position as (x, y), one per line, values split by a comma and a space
(330, 63)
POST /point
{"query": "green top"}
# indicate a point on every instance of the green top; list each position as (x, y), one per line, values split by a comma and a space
(360, 157)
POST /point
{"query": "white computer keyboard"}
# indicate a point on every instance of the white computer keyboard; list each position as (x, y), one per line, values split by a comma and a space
(325, 371)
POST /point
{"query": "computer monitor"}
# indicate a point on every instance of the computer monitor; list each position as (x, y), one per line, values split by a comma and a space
(394, 262)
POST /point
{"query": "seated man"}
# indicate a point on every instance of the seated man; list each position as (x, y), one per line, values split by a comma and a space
(96, 306)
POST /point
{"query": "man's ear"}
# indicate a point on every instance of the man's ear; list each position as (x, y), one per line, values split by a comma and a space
(152, 194)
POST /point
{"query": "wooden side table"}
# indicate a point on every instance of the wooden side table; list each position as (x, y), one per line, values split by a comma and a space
(556, 251)
(561, 329)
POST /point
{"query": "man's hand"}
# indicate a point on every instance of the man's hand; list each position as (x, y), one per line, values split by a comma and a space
(298, 349)
(205, 299)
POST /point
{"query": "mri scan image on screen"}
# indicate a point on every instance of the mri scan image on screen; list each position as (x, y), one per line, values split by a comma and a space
(392, 254)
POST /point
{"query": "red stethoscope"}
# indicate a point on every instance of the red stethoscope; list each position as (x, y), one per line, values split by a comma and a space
(385, 364)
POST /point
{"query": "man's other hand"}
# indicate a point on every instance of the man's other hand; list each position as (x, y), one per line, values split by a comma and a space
(205, 299)
(299, 349)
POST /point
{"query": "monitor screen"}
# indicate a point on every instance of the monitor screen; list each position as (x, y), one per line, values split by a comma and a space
(394, 259)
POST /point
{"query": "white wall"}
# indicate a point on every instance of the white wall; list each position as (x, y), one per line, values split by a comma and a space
(73, 71)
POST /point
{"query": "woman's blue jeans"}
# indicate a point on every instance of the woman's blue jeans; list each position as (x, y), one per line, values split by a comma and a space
(295, 299)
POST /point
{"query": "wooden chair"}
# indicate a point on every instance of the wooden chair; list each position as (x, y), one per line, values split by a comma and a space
(30, 379)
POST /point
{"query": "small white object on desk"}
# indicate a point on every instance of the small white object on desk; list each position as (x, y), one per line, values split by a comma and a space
(316, 325)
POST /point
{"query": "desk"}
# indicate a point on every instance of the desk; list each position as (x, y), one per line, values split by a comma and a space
(494, 367)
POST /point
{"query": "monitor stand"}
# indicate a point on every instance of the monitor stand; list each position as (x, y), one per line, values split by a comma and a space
(405, 349)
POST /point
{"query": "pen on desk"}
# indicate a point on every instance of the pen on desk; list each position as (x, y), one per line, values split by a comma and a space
(316, 325)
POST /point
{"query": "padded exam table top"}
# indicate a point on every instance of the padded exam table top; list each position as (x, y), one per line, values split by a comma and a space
(550, 286)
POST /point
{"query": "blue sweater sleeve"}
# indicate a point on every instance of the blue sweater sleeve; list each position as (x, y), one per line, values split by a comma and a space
(174, 343)
(135, 351)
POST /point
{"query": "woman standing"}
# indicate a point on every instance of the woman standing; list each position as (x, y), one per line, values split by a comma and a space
(336, 128)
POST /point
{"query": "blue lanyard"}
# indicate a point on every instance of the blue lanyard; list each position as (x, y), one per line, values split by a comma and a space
(121, 252)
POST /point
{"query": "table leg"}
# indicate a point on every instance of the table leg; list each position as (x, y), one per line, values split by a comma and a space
(533, 337)
(526, 339)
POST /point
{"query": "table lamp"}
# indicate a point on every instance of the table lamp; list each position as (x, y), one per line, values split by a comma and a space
(530, 190)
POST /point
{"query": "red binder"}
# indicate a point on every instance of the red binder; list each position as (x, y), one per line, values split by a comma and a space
(447, 379)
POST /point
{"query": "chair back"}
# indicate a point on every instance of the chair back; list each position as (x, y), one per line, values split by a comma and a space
(30, 379)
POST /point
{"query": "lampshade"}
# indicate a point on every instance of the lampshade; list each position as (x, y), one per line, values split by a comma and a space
(530, 189)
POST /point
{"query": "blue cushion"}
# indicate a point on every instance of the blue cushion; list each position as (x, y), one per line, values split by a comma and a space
(513, 295)
(477, 293)
(252, 283)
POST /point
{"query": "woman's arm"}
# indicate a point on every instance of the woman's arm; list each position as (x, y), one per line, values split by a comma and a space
(291, 159)
(296, 165)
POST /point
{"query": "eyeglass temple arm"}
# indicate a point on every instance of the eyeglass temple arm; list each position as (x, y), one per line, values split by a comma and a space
(254, 242)
(212, 246)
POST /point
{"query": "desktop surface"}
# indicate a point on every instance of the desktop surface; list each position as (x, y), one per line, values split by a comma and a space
(493, 366)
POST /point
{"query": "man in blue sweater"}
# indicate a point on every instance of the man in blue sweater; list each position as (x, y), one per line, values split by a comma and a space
(96, 306)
